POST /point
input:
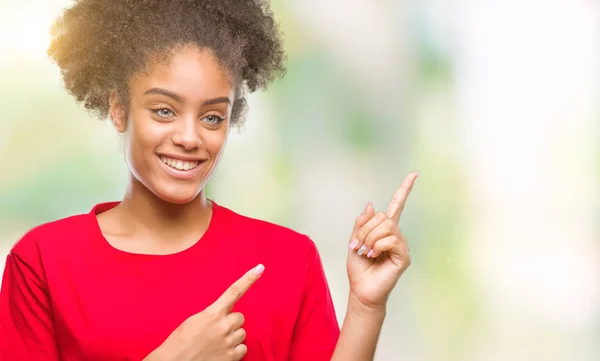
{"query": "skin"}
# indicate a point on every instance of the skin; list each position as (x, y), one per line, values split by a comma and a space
(159, 213)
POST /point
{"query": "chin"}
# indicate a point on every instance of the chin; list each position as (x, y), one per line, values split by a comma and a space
(177, 196)
(178, 200)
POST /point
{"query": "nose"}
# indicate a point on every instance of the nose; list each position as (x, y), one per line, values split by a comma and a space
(187, 134)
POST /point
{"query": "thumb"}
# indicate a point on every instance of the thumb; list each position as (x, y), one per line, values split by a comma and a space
(233, 294)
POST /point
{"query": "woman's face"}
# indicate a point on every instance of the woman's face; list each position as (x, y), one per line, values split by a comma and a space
(177, 125)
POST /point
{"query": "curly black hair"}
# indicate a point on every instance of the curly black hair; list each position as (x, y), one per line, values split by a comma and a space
(99, 45)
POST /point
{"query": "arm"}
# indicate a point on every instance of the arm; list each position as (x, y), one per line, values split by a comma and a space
(373, 270)
(360, 333)
(26, 326)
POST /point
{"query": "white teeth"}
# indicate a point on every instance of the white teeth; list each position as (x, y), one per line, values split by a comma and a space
(178, 164)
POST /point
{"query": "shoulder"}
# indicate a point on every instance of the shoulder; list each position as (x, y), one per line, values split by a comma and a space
(50, 237)
(267, 234)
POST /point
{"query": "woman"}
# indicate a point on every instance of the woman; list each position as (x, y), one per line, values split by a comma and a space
(166, 274)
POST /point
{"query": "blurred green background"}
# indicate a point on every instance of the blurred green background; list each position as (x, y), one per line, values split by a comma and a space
(494, 102)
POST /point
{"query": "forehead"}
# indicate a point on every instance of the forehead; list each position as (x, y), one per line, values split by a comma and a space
(190, 72)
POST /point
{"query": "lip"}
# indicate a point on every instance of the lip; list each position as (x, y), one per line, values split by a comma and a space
(181, 174)
(182, 158)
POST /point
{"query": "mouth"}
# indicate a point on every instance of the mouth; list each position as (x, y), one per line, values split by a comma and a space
(178, 164)
(181, 169)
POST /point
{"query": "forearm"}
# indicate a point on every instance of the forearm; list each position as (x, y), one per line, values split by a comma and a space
(359, 334)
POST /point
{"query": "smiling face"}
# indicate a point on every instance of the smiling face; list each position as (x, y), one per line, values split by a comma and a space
(177, 123)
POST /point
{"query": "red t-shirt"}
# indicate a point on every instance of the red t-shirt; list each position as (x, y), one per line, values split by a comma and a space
(68, 295)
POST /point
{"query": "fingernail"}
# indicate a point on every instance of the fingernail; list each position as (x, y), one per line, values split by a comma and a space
(369, 205)
(370, 254)
(365, 209)
(259, 269)
(353, 244)
(362, 250)
(416, 174)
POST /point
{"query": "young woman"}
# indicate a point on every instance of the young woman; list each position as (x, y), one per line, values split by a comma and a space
(167, 274)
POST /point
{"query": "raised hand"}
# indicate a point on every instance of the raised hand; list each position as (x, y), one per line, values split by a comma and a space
(379, 251)
(215, 334)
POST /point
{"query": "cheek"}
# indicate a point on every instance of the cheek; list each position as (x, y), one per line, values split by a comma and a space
(215, 141)
(143, 136)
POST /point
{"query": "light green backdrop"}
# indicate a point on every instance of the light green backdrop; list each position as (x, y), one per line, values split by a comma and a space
(495, 103)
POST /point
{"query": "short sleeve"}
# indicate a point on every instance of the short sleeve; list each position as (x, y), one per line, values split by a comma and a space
(316, 331)
(26, 327)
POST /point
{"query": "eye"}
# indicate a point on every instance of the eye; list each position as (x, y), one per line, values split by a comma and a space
(213, 119)
(163, 112)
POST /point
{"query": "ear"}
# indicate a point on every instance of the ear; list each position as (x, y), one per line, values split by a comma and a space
(117, 113)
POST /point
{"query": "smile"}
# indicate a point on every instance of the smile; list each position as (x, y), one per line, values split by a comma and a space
(181, 169)
(179, 164)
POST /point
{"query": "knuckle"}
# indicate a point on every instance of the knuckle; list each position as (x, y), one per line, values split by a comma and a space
(358, 221)
(235, 290)
(236, 318)
(361, 234)
(208, 316)
(399, 201)
(211, 312)
(377, 246)
(390, 223)
(229, 341)
(223, 327)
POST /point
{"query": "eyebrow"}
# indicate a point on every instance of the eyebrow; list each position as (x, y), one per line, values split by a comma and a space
(179, 99)
(216, 101)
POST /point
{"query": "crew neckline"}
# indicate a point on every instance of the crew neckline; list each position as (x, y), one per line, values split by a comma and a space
(107, 247)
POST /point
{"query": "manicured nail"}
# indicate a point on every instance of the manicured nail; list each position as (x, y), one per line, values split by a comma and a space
(370, 254)
(362, 250)
(259, 269)
(353, 244)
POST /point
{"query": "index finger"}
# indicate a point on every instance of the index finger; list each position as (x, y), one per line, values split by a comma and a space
(233, 294)
(396, 205)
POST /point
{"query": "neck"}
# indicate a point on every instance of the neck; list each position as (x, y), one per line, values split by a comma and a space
(144, 210)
